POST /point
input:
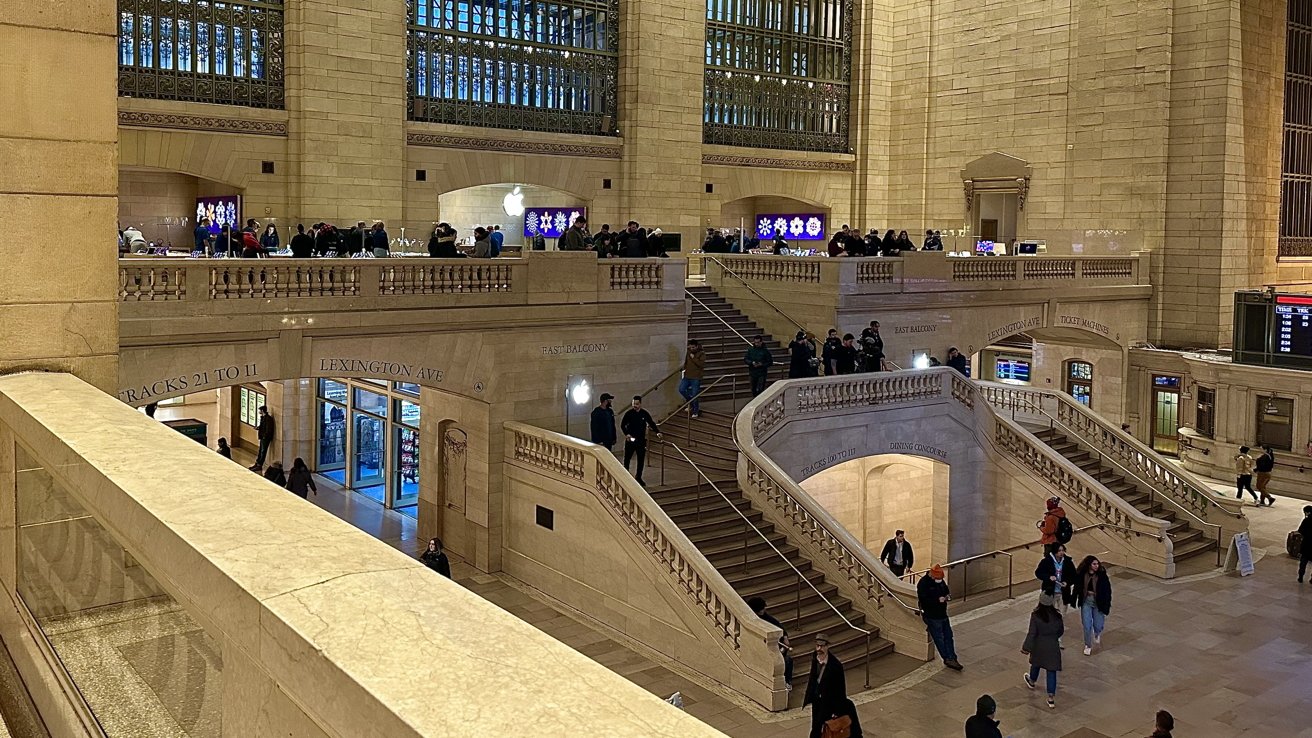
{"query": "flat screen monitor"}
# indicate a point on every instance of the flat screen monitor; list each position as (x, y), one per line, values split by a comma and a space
(1028, 247)
(983, 247)
(1012, 370)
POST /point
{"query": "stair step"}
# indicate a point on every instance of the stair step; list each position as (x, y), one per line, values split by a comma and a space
(732, 562)
(770, 575)
(731, 542)
(714, 511)
(1193, 548)
(782, 590)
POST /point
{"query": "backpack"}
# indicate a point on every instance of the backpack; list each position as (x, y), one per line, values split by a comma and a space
(1065, 531)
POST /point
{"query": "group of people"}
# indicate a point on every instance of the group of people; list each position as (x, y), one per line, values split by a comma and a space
(1263, 465)
(633, 242)
(634, 425)
(849, 242)
(850, 354)
(322, 239)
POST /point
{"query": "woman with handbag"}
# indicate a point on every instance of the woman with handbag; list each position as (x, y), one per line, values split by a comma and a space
(1093, 597)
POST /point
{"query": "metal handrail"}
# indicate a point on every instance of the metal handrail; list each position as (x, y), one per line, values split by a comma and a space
(716, 315)
(1152, 504)
(747, 522)
(667, 378)
(697, 396)
(762, 298)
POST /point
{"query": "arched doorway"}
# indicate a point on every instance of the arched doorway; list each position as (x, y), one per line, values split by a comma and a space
(522, 210)
(163, 204)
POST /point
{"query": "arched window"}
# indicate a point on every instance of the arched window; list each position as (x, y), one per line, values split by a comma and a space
(1296, 169)
(778, 73)
(523, 64)
(1079, 382)
(229, 53)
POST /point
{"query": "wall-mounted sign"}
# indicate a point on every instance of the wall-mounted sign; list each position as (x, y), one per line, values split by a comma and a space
(221, 211)
(792, 226)
(513, 203)
(550, 222)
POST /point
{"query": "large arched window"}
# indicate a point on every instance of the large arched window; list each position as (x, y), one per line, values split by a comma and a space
(1296, 168)
(523, 64)
(777, 73)
(229, 53)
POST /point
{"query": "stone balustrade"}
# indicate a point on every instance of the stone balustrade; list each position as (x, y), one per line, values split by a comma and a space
(549, 467)
(535, 278)
(928, 271)
(306, 625)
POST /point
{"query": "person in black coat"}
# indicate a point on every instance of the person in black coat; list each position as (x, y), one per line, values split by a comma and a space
(1056, 574)
(958, 361)
(1305, 529)
(302, 244)
(826, 690)
(832, 343)
(435, 558)
(1043, 645)
(802, 351)
(1093, 596)
(635, 424)
(300, 481)
(872, 348)
(888, 246)
(846, 355)
(276, 474)
(982, 724)
(633, 242)
(603, 422)
(897, 553)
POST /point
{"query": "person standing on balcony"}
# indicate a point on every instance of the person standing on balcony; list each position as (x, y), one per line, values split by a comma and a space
(832, 343)
(785, 647)
(958, 361)
(499, 239)
(379, 241)
(482, 244)
(904, 242)
(759, 360)
(270, 241)
(1244, 465)
(1054, 527)
(694, 368)
(302, 245)
(1265, 464)
(1305, 530)
(897, 553)
(1043, 645)
(838, 243)
(633, 242)
(847, 355)
(635, 424)
(1093, 595)
(264, 432)
(933, 594)
(203, 240)
(603, 422)
(802, 362)
(355, 239)
(575, 239)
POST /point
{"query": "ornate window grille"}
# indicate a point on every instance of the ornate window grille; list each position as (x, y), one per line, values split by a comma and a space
(778, 73)
(1296, 167)
(229, 53)
(521, 64)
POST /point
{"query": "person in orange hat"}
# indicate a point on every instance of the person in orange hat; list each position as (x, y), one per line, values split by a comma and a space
(933, 594)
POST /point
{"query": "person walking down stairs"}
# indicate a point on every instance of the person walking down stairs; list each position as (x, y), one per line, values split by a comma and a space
(694, 368)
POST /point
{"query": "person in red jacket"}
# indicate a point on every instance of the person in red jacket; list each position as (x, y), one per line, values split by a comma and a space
(1051, 519)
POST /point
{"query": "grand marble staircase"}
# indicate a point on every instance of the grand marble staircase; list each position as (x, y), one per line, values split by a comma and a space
(724, 333)
(765, 564)
(1187, 538)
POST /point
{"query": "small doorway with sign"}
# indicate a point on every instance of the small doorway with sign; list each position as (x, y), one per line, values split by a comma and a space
(1166, 414)
(1079, 382)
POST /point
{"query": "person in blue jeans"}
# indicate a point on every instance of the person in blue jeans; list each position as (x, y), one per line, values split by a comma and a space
(1093, 595)
(694, 368)
(1043, 645)
(933, 594)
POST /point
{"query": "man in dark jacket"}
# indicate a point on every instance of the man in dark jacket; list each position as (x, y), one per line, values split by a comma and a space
(982, 724)
(265, 433)
(1266, 463)
(897, 554)
(832, 343)
(826, 689)
(846, 355)
(633, 242)
(933, 594)
(1305, 530)
(355, 238)
(958, 361)
(302, 245)
(603, 422)
(872, 348)
(1056, 574)
(759, 360)
(635, 424)
(575, 239)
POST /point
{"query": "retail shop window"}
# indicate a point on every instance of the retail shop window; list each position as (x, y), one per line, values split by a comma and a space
(251, 401)
(1205, 421)
(1079, 382)
(1275, 423)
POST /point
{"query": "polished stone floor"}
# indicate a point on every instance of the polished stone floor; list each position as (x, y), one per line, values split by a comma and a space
(1228, 656)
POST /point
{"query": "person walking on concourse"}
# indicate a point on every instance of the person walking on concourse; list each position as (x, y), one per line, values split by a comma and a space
(1093, 595)
(1305, 529)
(826, 691)
(634, 425)
(603, 422)
(1244, 466)
(982, 724)
(300, 481)
(1043, 645)
(933, 594)
(897, 553)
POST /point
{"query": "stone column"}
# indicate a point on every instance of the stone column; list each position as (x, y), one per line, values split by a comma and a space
(293, 404)
(346, 97)
(870, 130)
(662, 46)
(59, 145)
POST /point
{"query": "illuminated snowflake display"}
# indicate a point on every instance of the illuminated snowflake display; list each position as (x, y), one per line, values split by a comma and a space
(550, 222)
(794, 226)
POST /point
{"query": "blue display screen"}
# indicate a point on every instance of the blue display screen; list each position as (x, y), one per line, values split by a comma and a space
(1013, 369)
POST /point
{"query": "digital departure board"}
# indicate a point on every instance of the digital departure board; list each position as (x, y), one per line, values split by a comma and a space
(1273, 329)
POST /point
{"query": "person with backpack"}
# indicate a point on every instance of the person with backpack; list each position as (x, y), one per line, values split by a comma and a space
(1055, 526)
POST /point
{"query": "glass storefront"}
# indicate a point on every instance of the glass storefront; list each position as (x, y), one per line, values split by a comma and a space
(381, 441)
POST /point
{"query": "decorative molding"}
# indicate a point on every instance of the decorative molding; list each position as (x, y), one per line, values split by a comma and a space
(1022, 191)
(969, 187)
(201, 123)
(441, 140)
(771, 163)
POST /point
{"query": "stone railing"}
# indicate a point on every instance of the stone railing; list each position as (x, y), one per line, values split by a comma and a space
(323, 643)
(927, 271)
(590, 469)
(802, 400)
(1138, 461)
(538, 277)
